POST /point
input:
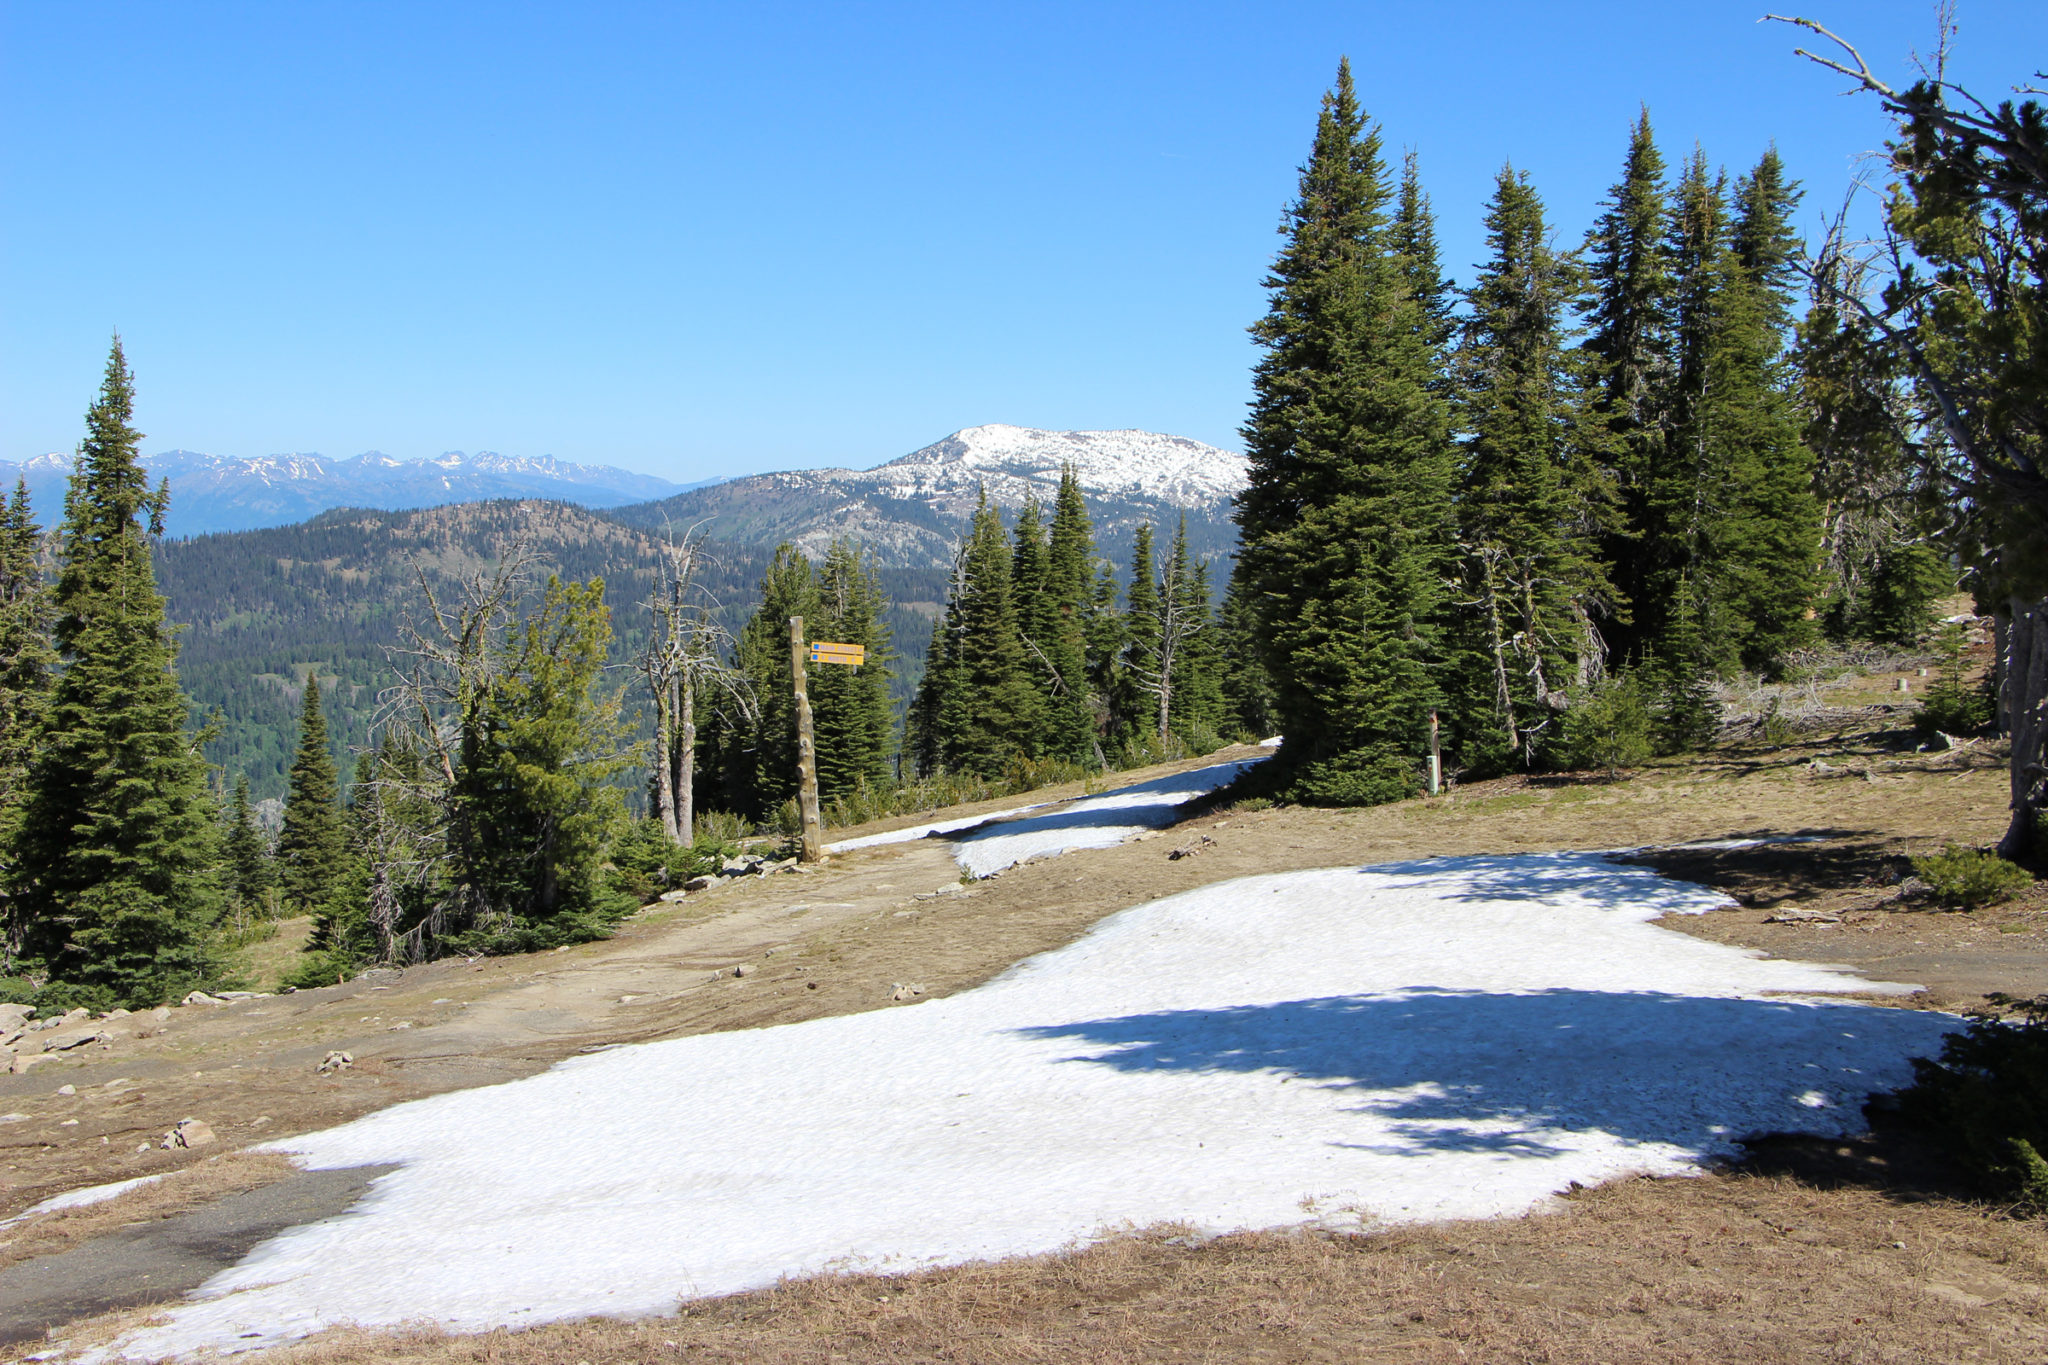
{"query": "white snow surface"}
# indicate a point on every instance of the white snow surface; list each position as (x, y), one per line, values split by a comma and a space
(81, 1198)
(1180, 471)
(1093, 822)
(904, 836)
(1440, 1039)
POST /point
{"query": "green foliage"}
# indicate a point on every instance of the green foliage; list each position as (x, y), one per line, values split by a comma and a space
(1533, 494)
(1952, 705)
(1966, 878)
(1688, 715)
(112, 887)
(247, 870)
(646, 862)
(1985, 1101)
(1608, 726)
(978, 706)
(534, 806)
(312, 847)
(1347, 521)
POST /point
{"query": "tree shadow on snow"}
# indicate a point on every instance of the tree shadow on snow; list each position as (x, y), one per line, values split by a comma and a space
(1172, 792)
(1515, 1074)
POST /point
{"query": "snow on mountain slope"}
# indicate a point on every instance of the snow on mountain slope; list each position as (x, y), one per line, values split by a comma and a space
(910, 512)
(225, 493)
(1134, 464)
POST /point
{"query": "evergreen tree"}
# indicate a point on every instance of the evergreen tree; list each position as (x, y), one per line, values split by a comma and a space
(1247, 690)
(1412, 237)
(1057, 621)
(1187, 637)
(978, 707)
(851, 712)
(245, 854)
(534, 799)
(1731, 509)
(112, 883)
(1140, 711)
(749, 758)
(1628, 315)
(1533, 496)
(312, 846)
(26, 660)
(1347, 520)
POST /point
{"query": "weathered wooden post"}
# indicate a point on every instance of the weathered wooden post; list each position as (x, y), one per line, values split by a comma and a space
(806, 751)
(1436, 760)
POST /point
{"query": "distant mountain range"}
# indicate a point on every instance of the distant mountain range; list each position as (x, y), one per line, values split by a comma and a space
(221, 493)
(910, 512)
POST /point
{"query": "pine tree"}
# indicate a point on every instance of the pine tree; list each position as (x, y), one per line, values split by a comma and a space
(1533, 500)
(1731, 508)
(312, 845)
(1630, 345)
(852, 715)
(1247, 690)
(245, 855)
(1188, 645)
(1057, 621)
(750, 756)
(26, 659)
(1140, 711)
(536, 806)
(113, 880)
(1347, 520)
(998, 720)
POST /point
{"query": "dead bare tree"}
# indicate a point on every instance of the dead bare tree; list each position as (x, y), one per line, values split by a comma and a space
(687, 649)
(1962, 257)
(444, 660)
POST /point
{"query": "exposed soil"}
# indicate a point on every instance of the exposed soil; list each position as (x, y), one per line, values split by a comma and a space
(1793, 1260)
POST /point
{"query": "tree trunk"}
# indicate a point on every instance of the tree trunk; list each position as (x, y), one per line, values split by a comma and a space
(2026, 691)
(664, 769)
(685, 779)
(2001, 670)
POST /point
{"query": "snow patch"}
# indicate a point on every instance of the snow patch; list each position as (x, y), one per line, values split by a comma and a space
(1095, 822)
(1440, 1039)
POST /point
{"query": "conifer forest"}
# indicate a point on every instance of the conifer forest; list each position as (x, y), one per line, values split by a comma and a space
(1525, 518)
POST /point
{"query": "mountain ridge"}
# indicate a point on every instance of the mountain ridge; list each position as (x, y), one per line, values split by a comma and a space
(212, 493)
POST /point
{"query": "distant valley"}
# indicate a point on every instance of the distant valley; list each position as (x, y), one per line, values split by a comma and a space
(263, 605)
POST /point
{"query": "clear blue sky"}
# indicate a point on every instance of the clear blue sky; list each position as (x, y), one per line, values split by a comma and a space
(699, 239)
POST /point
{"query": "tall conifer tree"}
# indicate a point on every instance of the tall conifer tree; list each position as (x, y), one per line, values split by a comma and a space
(312, 846)
(854, 719)
(113, 882)
(1057, 622)
(1347, 520)
(245, 856)
(1533, 497)
(1628, 317)
(26, 658)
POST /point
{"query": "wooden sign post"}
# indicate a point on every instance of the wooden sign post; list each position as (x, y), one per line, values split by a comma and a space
(806, 751)
(819, 652)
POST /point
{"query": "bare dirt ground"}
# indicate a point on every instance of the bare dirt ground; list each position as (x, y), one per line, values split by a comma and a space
(1850, 1252)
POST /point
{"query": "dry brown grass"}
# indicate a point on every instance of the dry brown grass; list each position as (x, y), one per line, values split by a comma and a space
(179, 1191)
(1758, 1269)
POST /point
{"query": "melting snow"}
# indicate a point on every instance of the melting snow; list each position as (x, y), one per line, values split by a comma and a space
(1441, 1039)
(1096, 822)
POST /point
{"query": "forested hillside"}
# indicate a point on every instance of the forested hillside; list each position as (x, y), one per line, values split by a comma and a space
(262, 607)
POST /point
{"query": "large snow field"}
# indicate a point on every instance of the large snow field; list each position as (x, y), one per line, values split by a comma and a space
(1441, 1039)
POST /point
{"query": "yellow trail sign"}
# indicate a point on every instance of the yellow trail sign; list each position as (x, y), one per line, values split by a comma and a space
(827, 652)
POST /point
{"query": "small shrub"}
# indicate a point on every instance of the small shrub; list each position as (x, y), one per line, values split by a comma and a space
(1952, 706)
(1609, 727)
(1986, 1100)
(718, 827)
(1965, 878)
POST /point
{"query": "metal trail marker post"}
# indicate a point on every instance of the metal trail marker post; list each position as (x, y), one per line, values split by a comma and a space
(819, 652)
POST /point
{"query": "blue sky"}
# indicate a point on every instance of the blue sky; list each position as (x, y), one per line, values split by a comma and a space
(698, 239)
